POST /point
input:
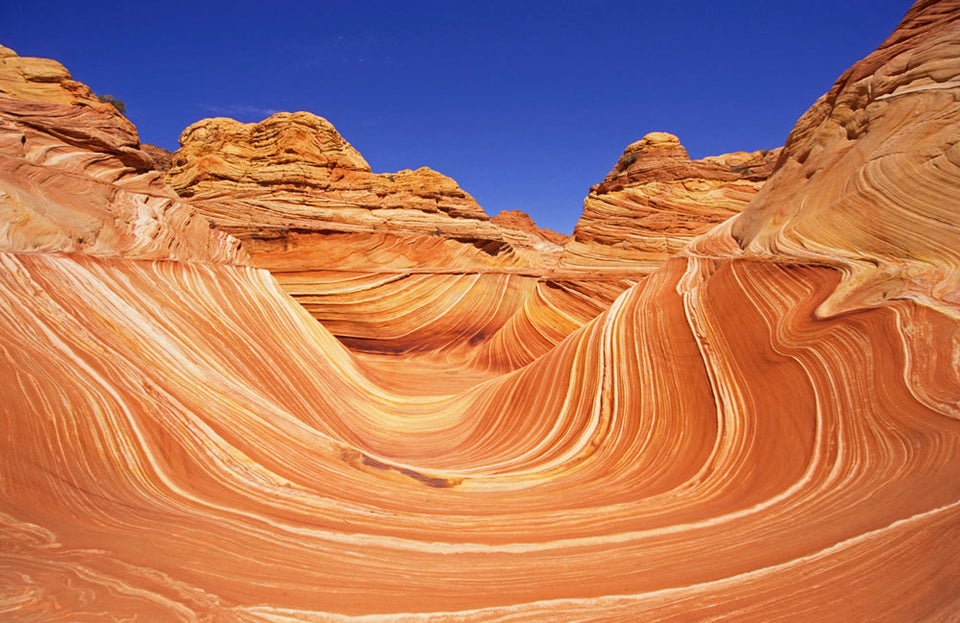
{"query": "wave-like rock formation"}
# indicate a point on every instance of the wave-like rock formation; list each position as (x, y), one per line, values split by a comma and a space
(886, 135)
(649, 207)
(763, 428)
(396, 262)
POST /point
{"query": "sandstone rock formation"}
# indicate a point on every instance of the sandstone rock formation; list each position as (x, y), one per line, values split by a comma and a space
(73, 176)
(299, 195)
(655, 200)
(649, 207)
(763, 428)
(307, 207)
(887, 135)
(515, 219)
(162, 159)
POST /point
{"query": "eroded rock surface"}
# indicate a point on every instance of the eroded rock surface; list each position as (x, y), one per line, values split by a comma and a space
(752, 431)
(655, 200)
(337, 236)
(298, 194)
(74, 179)
(864, 172)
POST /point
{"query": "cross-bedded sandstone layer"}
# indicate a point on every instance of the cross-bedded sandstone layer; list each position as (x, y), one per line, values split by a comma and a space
(757, 430)
(337, 236)
(396, 262)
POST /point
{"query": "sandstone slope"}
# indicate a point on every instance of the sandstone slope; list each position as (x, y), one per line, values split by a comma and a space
(185, 442)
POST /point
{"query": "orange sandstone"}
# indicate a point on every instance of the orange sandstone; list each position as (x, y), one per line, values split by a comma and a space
(73, 177)
(298, 194)
(655, 200)
(763, 427)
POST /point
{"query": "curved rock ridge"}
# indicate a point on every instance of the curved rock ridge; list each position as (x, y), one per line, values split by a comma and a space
(655, 200)
(73, 177)
(284, 184)
(183, 441)
(551, 312)
(863, 176)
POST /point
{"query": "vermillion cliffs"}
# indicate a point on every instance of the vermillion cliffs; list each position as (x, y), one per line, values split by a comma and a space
(734, 394)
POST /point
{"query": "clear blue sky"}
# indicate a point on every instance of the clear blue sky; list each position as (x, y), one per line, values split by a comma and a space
(526, 103)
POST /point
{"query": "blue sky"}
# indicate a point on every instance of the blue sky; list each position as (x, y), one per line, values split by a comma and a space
(524, 103)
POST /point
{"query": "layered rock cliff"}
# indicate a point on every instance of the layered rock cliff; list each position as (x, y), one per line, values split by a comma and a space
(307, 206)
(743, 434)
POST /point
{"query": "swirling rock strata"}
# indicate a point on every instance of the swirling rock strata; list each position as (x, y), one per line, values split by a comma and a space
(73, 176)
(337, 236)
(863, 175)
(653, 202)
(185, 442)
(210, 472)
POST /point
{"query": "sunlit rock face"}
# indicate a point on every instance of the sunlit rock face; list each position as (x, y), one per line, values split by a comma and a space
(299, 195)
(864, 172)
(73, 177)
(184, 441)
(655, 200)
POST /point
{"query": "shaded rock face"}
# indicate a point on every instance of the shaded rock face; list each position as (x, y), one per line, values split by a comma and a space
(720, 441)
(162, 159)
(73, 176)
(655, 200)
